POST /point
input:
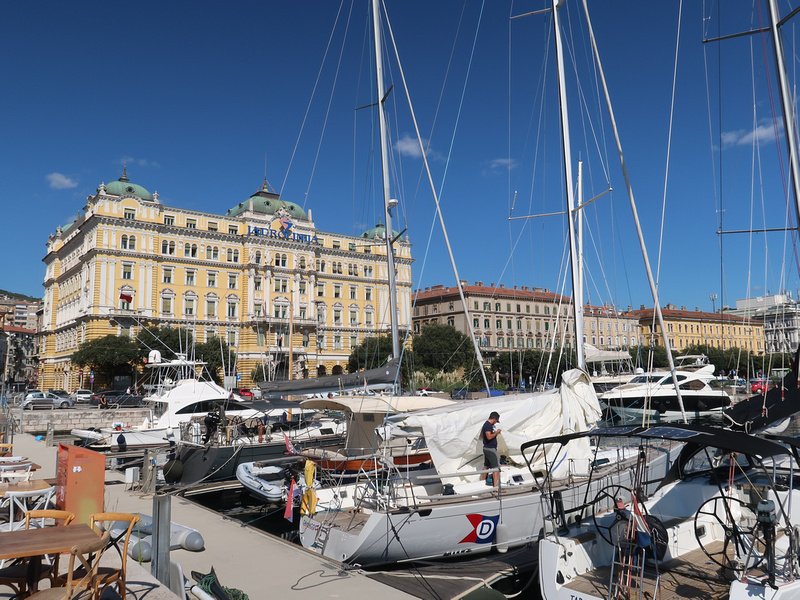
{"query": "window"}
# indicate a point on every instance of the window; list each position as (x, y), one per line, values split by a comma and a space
(320, 340)
(168, 247)
(129, 214)
(169, 220)
(368, 294)
(337, 244)
(212, 226)
(233, 255)
(475, 305)
(257, 284)
(231, 338)
(128, 243)
(500, 342)
(367, 250)
(257, 310)
(368, 319)
(337, 291)
(124, 304)
(528, 308)
(281, 285)
(486, 323)
(261, 338)
(368, 271)
(232, 305)
(320, 290)
(451, 321)
(353, 317)
(191, 223)
(258, 257)
(352, 292)
(232, 281)
(212, 253)
(321, 266)
(280, 260)
(188, 304)
(519, 308)
(211, 308)
(496, 307)
(166, 305)
(301, 313)
(233, 230)
(337, 316)
(337, 342)
(498, 324)
(508, 306)
(167, 275)
(279, 311)
(127, 271)
(476, 323)
(190, 279)
(302, 287)
(302, 262)
(353, 341)
(212, 279)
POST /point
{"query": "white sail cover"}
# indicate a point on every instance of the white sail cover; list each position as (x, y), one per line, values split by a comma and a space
(453, 432)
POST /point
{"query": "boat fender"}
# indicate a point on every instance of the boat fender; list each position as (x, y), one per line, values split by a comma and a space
(448, 490)
(502, 536)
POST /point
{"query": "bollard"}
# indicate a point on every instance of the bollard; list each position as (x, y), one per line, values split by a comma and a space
(162, 525)
(48, 440)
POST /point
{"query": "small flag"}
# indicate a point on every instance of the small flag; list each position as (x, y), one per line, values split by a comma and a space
(289, 445)
(288, 514)
(126, 297)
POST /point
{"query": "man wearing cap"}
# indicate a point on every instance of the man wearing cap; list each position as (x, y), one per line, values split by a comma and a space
(491, 459)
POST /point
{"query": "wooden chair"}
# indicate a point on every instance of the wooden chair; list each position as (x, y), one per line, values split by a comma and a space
(6, 449)
(120, 526)
(15, 575)
(81, 578)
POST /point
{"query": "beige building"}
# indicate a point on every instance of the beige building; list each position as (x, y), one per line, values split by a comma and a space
(502, 318)
(607, 328)
(18, 312)
(247, 276)
(694, 328)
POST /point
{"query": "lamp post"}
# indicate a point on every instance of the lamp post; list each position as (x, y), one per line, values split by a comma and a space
(713, 297)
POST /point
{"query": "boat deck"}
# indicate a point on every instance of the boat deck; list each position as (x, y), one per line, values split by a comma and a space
(691, 576)
(346, 520)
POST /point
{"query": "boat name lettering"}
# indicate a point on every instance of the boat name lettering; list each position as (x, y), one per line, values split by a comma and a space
(282, 235)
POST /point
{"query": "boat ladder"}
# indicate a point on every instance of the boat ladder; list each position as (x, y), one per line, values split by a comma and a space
(627, 578)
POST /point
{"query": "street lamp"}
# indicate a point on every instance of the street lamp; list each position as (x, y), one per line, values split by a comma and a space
(713, 297)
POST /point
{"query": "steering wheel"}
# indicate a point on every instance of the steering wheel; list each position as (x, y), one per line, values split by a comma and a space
(605, 500)
(740, 539)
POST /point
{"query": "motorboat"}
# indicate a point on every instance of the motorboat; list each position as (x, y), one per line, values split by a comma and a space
(722, 524)
(651, 397)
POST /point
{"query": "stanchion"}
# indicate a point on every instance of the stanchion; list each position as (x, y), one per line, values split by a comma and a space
(162, 523)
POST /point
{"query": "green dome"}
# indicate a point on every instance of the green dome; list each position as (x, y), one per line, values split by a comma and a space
(124, 187)
(378, 232)
(267, 202)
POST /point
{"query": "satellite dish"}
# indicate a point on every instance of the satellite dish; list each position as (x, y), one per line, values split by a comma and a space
(154, 357)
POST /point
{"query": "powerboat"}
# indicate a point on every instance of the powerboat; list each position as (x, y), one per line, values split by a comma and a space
(651, 397)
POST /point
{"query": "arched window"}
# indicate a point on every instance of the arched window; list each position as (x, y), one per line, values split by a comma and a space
(132, 242)
(321, 371)
(167, 247)
(236, 256)
(190, 250)
(302, 262)
(209, 252)
(230, 254)
(337, 370)
(124, 242)
(258, 257)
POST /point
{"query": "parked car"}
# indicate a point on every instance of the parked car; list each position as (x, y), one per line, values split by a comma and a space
(245, 393)
(61, 393)
(46, 400)
(82, 395)
(115, 398)
(459, 394)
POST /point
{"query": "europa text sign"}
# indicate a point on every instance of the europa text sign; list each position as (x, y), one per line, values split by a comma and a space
(282, 234)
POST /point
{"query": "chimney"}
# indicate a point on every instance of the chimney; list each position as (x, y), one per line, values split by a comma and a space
(491, 284)
(502, 285)
(641, 307)
(479, 283)
(464, 283)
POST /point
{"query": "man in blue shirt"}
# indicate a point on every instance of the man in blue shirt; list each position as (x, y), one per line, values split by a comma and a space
(491, 459)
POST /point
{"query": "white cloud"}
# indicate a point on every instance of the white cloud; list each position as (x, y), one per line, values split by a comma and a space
(139, 162)
(59, 181)
(502, 164)
(764, 132)
(408, 146)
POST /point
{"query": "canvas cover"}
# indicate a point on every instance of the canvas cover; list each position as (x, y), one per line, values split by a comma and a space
(453, 432)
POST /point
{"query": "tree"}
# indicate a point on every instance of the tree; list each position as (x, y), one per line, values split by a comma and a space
(532, 365)
(167, 340)
(216, 353)
(443, 348)
(371, 353)
(110, 355)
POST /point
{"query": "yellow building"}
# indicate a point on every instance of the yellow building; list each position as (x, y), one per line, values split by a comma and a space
(129, 262)
(688, 328)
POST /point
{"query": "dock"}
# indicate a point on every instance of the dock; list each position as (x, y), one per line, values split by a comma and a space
(257, 563)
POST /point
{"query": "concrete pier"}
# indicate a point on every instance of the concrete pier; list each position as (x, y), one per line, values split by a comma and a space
(261, 565)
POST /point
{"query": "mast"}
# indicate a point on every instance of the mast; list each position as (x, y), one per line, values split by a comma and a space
(579, 292)
(291, 326)
(388, 202)
(786, 103)
(577, 302)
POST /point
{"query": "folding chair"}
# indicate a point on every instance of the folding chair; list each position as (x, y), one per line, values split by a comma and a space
(80, 578)
(120, 526)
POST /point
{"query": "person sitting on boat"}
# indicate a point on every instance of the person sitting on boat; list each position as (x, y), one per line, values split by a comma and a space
(491, 458)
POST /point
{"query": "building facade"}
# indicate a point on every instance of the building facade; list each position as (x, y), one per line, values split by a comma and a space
(502, 318)
(780, 315)
(248, 276)
(18, 312)
(607, 328)
(688, 328)
(17, 357)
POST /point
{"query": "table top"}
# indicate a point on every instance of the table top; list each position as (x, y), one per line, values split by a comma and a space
(21, 463)
(27, 543)
(25, 486)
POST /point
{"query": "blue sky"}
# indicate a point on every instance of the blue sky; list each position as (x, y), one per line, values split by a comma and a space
(196, 97)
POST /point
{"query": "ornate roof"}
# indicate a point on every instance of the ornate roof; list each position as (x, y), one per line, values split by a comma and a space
(267, 202)
(125, 187)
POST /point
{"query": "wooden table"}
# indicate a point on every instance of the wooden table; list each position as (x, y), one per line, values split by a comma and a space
(25, 486)
(35, 543)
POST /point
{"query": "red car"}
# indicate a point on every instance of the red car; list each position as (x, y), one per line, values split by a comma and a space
(245, 393)
(759, 386)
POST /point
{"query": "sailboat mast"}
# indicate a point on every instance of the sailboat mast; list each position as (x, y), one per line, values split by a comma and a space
(786, 103)
(387, 202)
(577, 302)
(579, 222)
